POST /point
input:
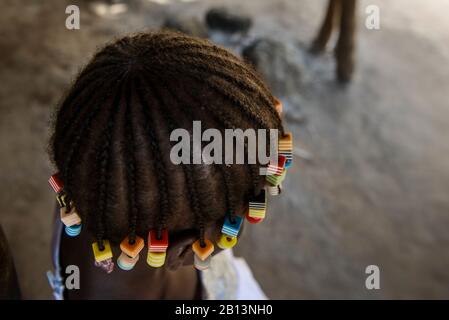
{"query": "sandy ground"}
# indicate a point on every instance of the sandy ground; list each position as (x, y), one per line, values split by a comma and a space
(374, 193)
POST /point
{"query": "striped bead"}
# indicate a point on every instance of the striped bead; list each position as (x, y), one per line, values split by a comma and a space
(101, 255)
(73, 231)
(226, 242)
(288, 156)
(70, 218)
(277, 168)
(132, 249)
(285, 147)
(155, 244)
(56, 183)
(257, 213)
(125, 262)
(201, 252)
(156, 259)
(231, 226)
(286, 142)
(258, 205)
(276, 180)
(273, 190)
(201, 264)
(278, 105)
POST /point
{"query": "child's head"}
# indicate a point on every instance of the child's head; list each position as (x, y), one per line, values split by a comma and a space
(111, 142)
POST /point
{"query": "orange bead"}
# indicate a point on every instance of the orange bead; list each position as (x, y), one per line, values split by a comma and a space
(278, 105)
(201, 252)
(132, 249)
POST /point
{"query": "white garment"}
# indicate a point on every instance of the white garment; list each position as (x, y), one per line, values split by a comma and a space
(230, 278)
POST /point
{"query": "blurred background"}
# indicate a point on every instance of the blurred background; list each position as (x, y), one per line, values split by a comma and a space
(371, 176)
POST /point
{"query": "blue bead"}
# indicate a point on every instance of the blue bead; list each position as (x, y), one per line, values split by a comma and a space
(123, 267)
(232, 229)
(73, 231)
(288, 164)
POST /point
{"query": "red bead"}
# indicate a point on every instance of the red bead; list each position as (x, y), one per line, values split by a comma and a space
(56, 183)
(155, 244)
(251, 219)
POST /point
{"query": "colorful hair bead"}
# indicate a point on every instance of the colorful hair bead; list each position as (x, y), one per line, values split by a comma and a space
(278, 168)
(61, 198)
(258, 205)
(69, 218)
(231, 225)
(274, 190)
(252, 219)
(201, 264)
(103, 258)
(226, 242)
(276, 180)
(156, 259)
(285, 147)
(278, 105)
(132, 249)
(56, 183)
(73, 231)
(286, 142)
(101, 255)
(203, 252)
(155, 244)
(126, 262)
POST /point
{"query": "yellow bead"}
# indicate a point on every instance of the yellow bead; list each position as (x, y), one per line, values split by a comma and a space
(156, 259)
(226, 242)
(201, 252)
(102, 255)
(257, 213)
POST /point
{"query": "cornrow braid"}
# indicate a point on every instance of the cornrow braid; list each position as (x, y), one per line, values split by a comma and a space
(131, 166)
(158, 164)
(229, 195)
(78, 96)
(104, 169)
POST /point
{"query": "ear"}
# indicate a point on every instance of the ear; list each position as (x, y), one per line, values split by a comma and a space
(179, 251)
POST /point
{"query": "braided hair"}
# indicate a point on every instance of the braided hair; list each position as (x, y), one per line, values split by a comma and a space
(111, 134)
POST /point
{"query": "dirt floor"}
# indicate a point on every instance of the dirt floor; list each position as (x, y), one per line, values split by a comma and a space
(375, 192)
